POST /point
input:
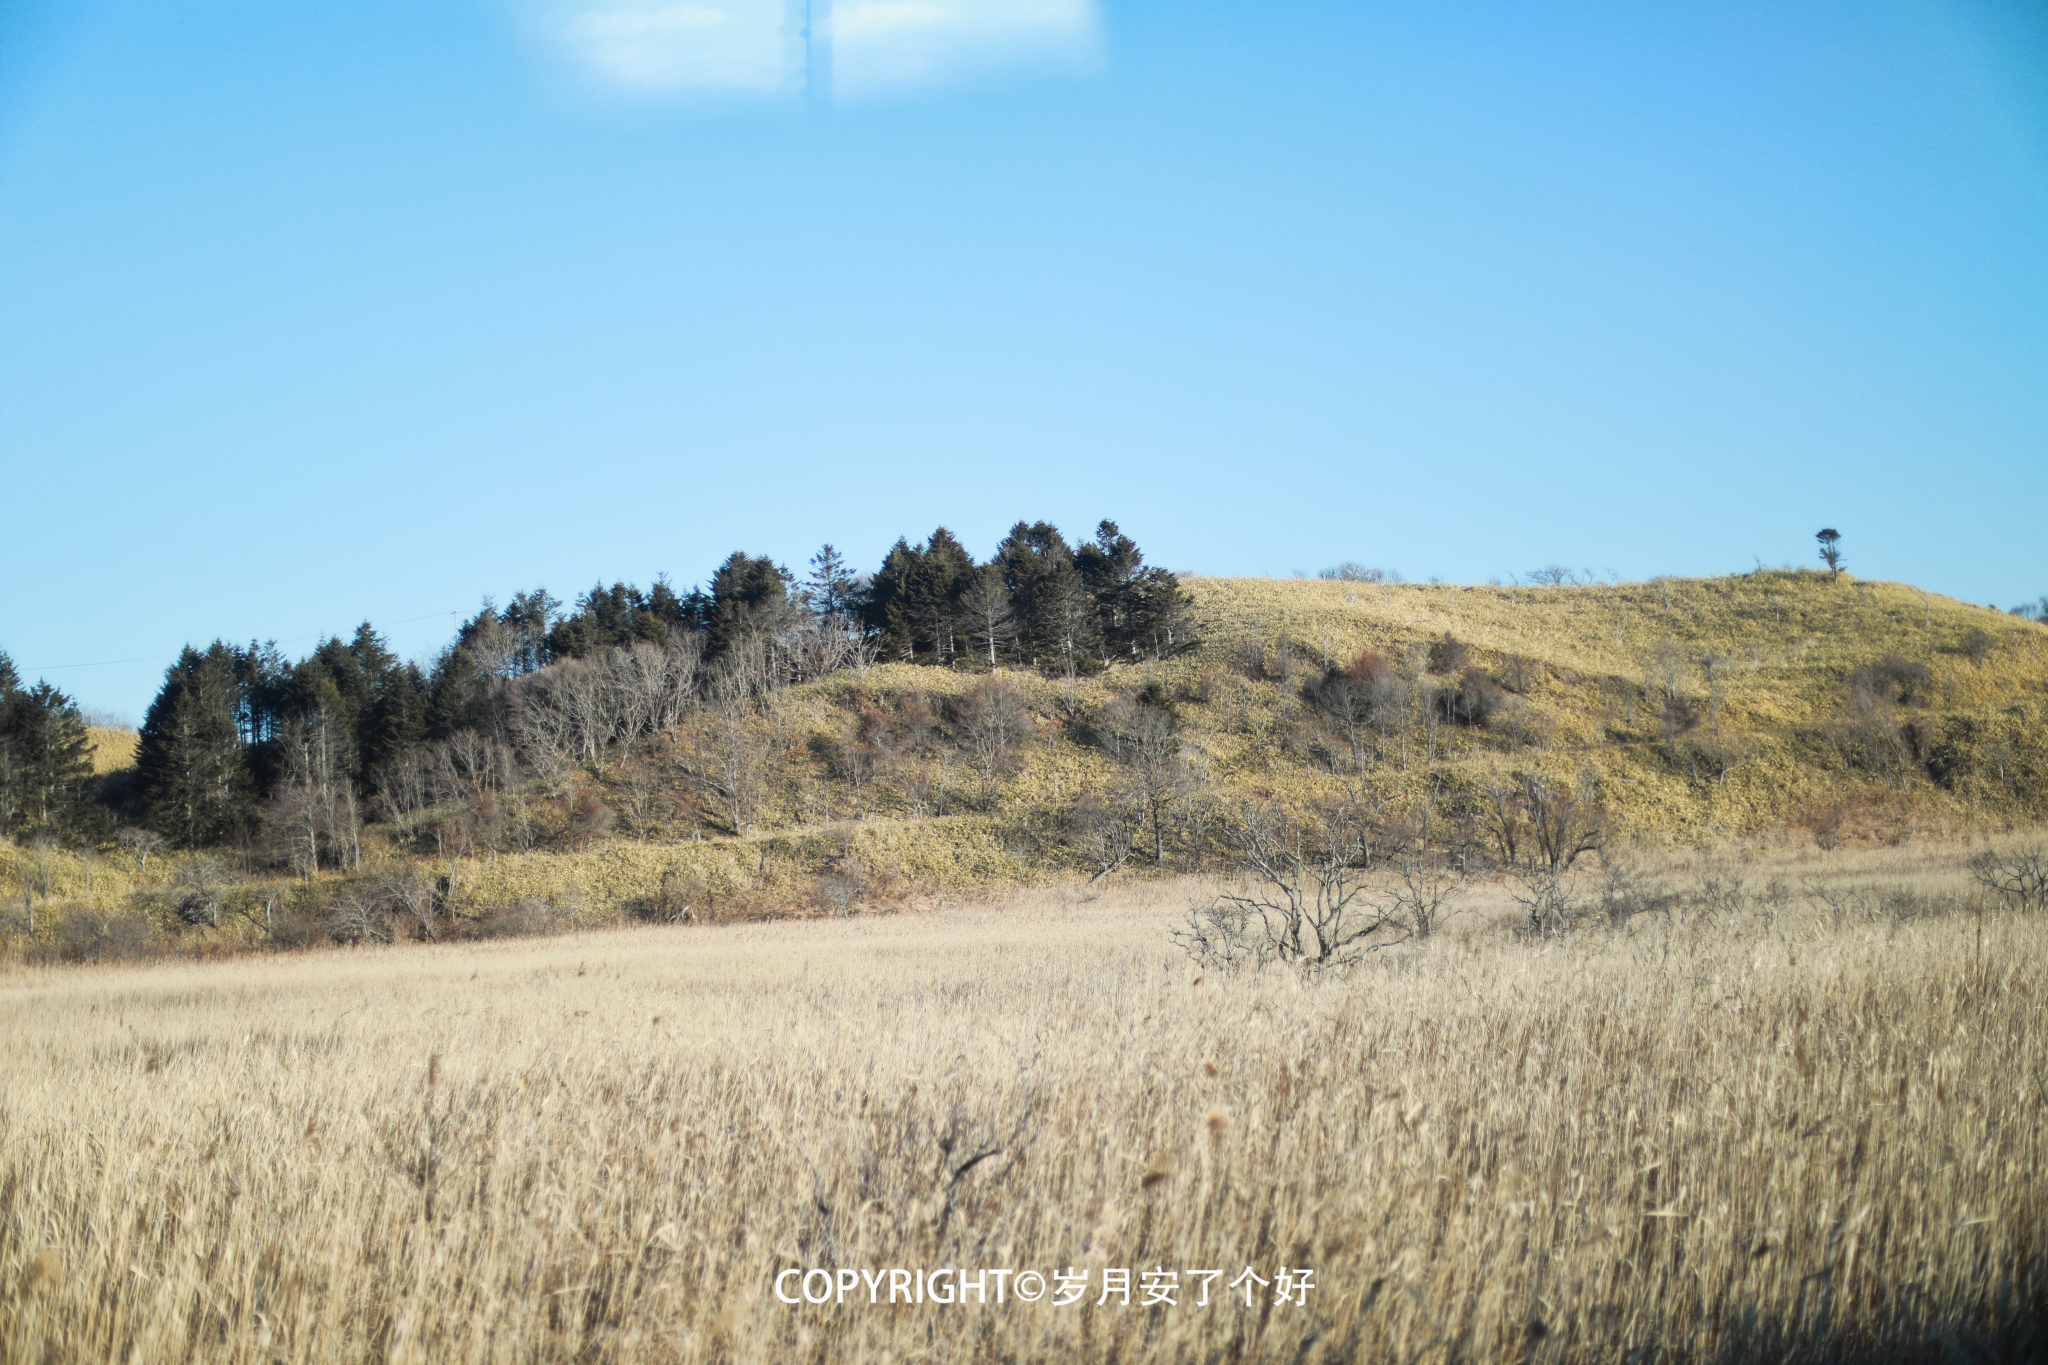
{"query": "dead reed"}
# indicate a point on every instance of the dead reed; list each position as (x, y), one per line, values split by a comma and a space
(1762, 1126)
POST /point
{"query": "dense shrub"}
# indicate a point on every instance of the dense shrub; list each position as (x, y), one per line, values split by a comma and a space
(1894, 678)
(1449, 655)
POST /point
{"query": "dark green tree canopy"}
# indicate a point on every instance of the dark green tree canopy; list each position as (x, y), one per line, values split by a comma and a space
(749, 598)
(45, 765)
(191, 763)
(230, 723)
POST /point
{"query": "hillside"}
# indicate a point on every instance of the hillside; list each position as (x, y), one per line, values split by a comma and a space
(1690, 710)
(112, 750)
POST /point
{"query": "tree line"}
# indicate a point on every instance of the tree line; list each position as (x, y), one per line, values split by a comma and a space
(242, 741)
(45, 763)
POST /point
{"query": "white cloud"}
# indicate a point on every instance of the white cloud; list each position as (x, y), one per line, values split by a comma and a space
(711, 46)
(878, 47)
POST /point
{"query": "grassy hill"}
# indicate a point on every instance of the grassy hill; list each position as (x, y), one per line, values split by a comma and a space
(1693, 710)
(112, 750)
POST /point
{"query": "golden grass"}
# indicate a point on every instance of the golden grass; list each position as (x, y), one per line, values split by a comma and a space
(1746, 1136)
(112, 750)
(1784, 642)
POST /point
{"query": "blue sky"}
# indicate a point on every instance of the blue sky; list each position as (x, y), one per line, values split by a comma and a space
(315, 311)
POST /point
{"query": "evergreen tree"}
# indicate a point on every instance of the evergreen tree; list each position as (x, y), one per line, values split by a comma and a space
(191, 764)
(398, 719)
(10, 681)
(681, 614)
(1141, 610)
(45, 764)
(1110, 568)
(832, 589)
(1057, 613)
(887, 612)
(914, 603)
(948, 572)
(749, 597)
(263, 681)
(528, 619)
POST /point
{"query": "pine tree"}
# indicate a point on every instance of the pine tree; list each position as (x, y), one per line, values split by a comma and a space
(528, 618)
(398, 719)
(45, 764)
(831, 588)
(191, 764)
(749, 597)
(887, 610)
(1057, 612)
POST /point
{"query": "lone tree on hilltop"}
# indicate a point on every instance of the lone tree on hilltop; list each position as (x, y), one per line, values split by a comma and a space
(1831, 549)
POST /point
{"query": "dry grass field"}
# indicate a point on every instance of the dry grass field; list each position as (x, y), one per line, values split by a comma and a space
(1799, 1117)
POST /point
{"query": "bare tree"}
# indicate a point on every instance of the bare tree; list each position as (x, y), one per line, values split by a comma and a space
(405, 791)
(313, 820)
(1311, 907)
(727, 754)
(1566, 821)
(995, 718)
(2020, 878)
(1142, 738)
(1505, 819)
(38, 874)
(140, 842)
(1103, 829)
(1424, 891)
(588, 708)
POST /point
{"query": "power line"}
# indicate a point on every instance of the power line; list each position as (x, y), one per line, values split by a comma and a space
(295, 640)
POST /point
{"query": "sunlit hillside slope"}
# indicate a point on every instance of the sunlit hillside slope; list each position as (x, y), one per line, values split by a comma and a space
(1686, 710)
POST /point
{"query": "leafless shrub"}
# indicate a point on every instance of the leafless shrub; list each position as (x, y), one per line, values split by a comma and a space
(1103, 830)
(1567, 821)
(88, 936)
(2019, 877)
(140, 843)
(683, 898)
(995, 718)
(523, 918)
(1878, 904)
(1311, 906)
(197, 891)
(1424, 890)
(1625, 892)
(1449, 655)
(1224, 935)
(844, 882)
(359, 915)
(298, 928)
(412, 898)
(1549, 897)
